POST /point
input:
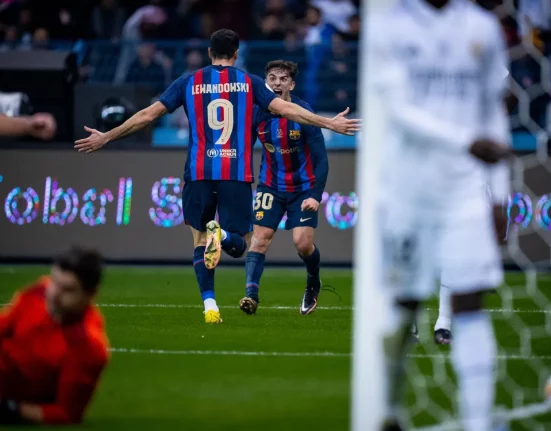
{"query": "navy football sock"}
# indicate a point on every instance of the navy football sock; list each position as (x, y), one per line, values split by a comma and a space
(234, 245)
(312, 263)
(254, 266)
(205, 277)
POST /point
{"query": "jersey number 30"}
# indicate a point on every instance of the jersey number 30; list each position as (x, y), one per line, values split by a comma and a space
(226, 124)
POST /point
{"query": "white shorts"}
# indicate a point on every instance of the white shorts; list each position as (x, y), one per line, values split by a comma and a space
(415, 255)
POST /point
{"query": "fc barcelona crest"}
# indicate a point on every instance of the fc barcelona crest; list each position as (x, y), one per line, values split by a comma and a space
(294, 135)
(259, 215)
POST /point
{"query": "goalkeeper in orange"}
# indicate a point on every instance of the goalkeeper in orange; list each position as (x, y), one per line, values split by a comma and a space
(53, 346)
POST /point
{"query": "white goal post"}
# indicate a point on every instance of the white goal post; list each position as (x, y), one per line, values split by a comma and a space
(368, 385)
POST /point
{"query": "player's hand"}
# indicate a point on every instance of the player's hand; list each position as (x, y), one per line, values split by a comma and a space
(310, 204)
(92, 143)
(344, 126)
(10, 413)
(500, 223)
(490, 151)
(42, 126)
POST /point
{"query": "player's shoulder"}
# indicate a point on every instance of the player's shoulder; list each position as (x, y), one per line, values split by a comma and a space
(482, 19)
(35, 291)
(89, 337)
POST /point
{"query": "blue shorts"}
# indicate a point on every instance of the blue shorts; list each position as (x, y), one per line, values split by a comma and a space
(270, 206)
(231, 199)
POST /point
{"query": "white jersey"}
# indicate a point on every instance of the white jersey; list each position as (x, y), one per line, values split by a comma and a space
(440, 73)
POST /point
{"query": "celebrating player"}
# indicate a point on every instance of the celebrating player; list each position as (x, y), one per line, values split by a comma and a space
(444, 96)
(292, 178)
(218, 101)
(53, 346)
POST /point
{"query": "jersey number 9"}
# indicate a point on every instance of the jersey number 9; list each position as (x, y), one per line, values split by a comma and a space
(226, 124)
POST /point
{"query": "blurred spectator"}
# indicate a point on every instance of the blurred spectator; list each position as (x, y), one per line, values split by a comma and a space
(275, 20)
(41, 39)
(194, 61)
(337, 77)
(336, 12)
(145, 23)
(146, 70)
(234, 14)
(353, 34)
(271, 28)
(107, 20)
(11, 39)
(313, 28)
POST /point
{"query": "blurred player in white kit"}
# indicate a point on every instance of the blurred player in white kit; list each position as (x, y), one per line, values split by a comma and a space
(438, 65)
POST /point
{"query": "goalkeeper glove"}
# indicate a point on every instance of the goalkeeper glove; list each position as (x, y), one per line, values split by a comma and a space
(10, 413)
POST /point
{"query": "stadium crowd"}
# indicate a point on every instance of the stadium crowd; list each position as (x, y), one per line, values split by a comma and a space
(114, 39)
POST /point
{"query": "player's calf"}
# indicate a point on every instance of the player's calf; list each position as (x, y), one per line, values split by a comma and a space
(473, 354)
(234, 245)
(254, 267)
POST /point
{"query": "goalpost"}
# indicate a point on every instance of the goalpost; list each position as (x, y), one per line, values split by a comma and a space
(368, 385)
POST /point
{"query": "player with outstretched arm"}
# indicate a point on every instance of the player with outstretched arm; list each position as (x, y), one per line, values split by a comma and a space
(219, 101)
(293, 174)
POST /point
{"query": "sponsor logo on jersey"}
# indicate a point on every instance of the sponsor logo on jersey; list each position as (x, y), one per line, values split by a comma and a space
(269, 147)
(228, 153)
(294, 135)
(279, 133)
(291, 150)
(259, 215)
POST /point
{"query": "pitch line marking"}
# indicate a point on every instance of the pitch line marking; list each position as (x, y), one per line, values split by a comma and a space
(505, 357)
(290, 307)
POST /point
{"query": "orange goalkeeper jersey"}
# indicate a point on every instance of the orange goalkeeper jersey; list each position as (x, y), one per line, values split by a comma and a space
(44, 362)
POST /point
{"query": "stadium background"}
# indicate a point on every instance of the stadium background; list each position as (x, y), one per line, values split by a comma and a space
(95, 63)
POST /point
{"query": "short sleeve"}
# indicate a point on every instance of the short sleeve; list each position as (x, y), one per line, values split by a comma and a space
(173, 96)
(262, 95)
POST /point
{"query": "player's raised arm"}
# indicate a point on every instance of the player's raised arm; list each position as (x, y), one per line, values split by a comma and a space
(138, 121)
(339, 124)
(266, 99)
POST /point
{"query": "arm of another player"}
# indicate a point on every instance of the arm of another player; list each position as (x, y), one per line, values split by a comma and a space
(496, 123)
(41, 125)
(266, 99)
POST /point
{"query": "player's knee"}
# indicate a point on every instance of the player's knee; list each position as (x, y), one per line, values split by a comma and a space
(260, 243)
(465, 303)
(304, 247)
(304, 244)
(200, 240)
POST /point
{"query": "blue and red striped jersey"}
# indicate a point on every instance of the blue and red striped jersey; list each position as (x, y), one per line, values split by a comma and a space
(294, 157)
(219, 103)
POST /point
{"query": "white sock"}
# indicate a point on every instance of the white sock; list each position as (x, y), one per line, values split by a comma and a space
(210, 304)
(473, 354)
(223, 235)
(444, 309)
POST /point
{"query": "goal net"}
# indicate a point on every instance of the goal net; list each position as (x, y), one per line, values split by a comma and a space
(521, 308)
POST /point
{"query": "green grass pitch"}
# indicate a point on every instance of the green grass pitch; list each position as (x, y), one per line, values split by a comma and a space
(171, 371)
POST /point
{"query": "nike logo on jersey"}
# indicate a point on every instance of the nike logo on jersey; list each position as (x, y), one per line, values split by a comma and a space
(262, 133)
(302, 220)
